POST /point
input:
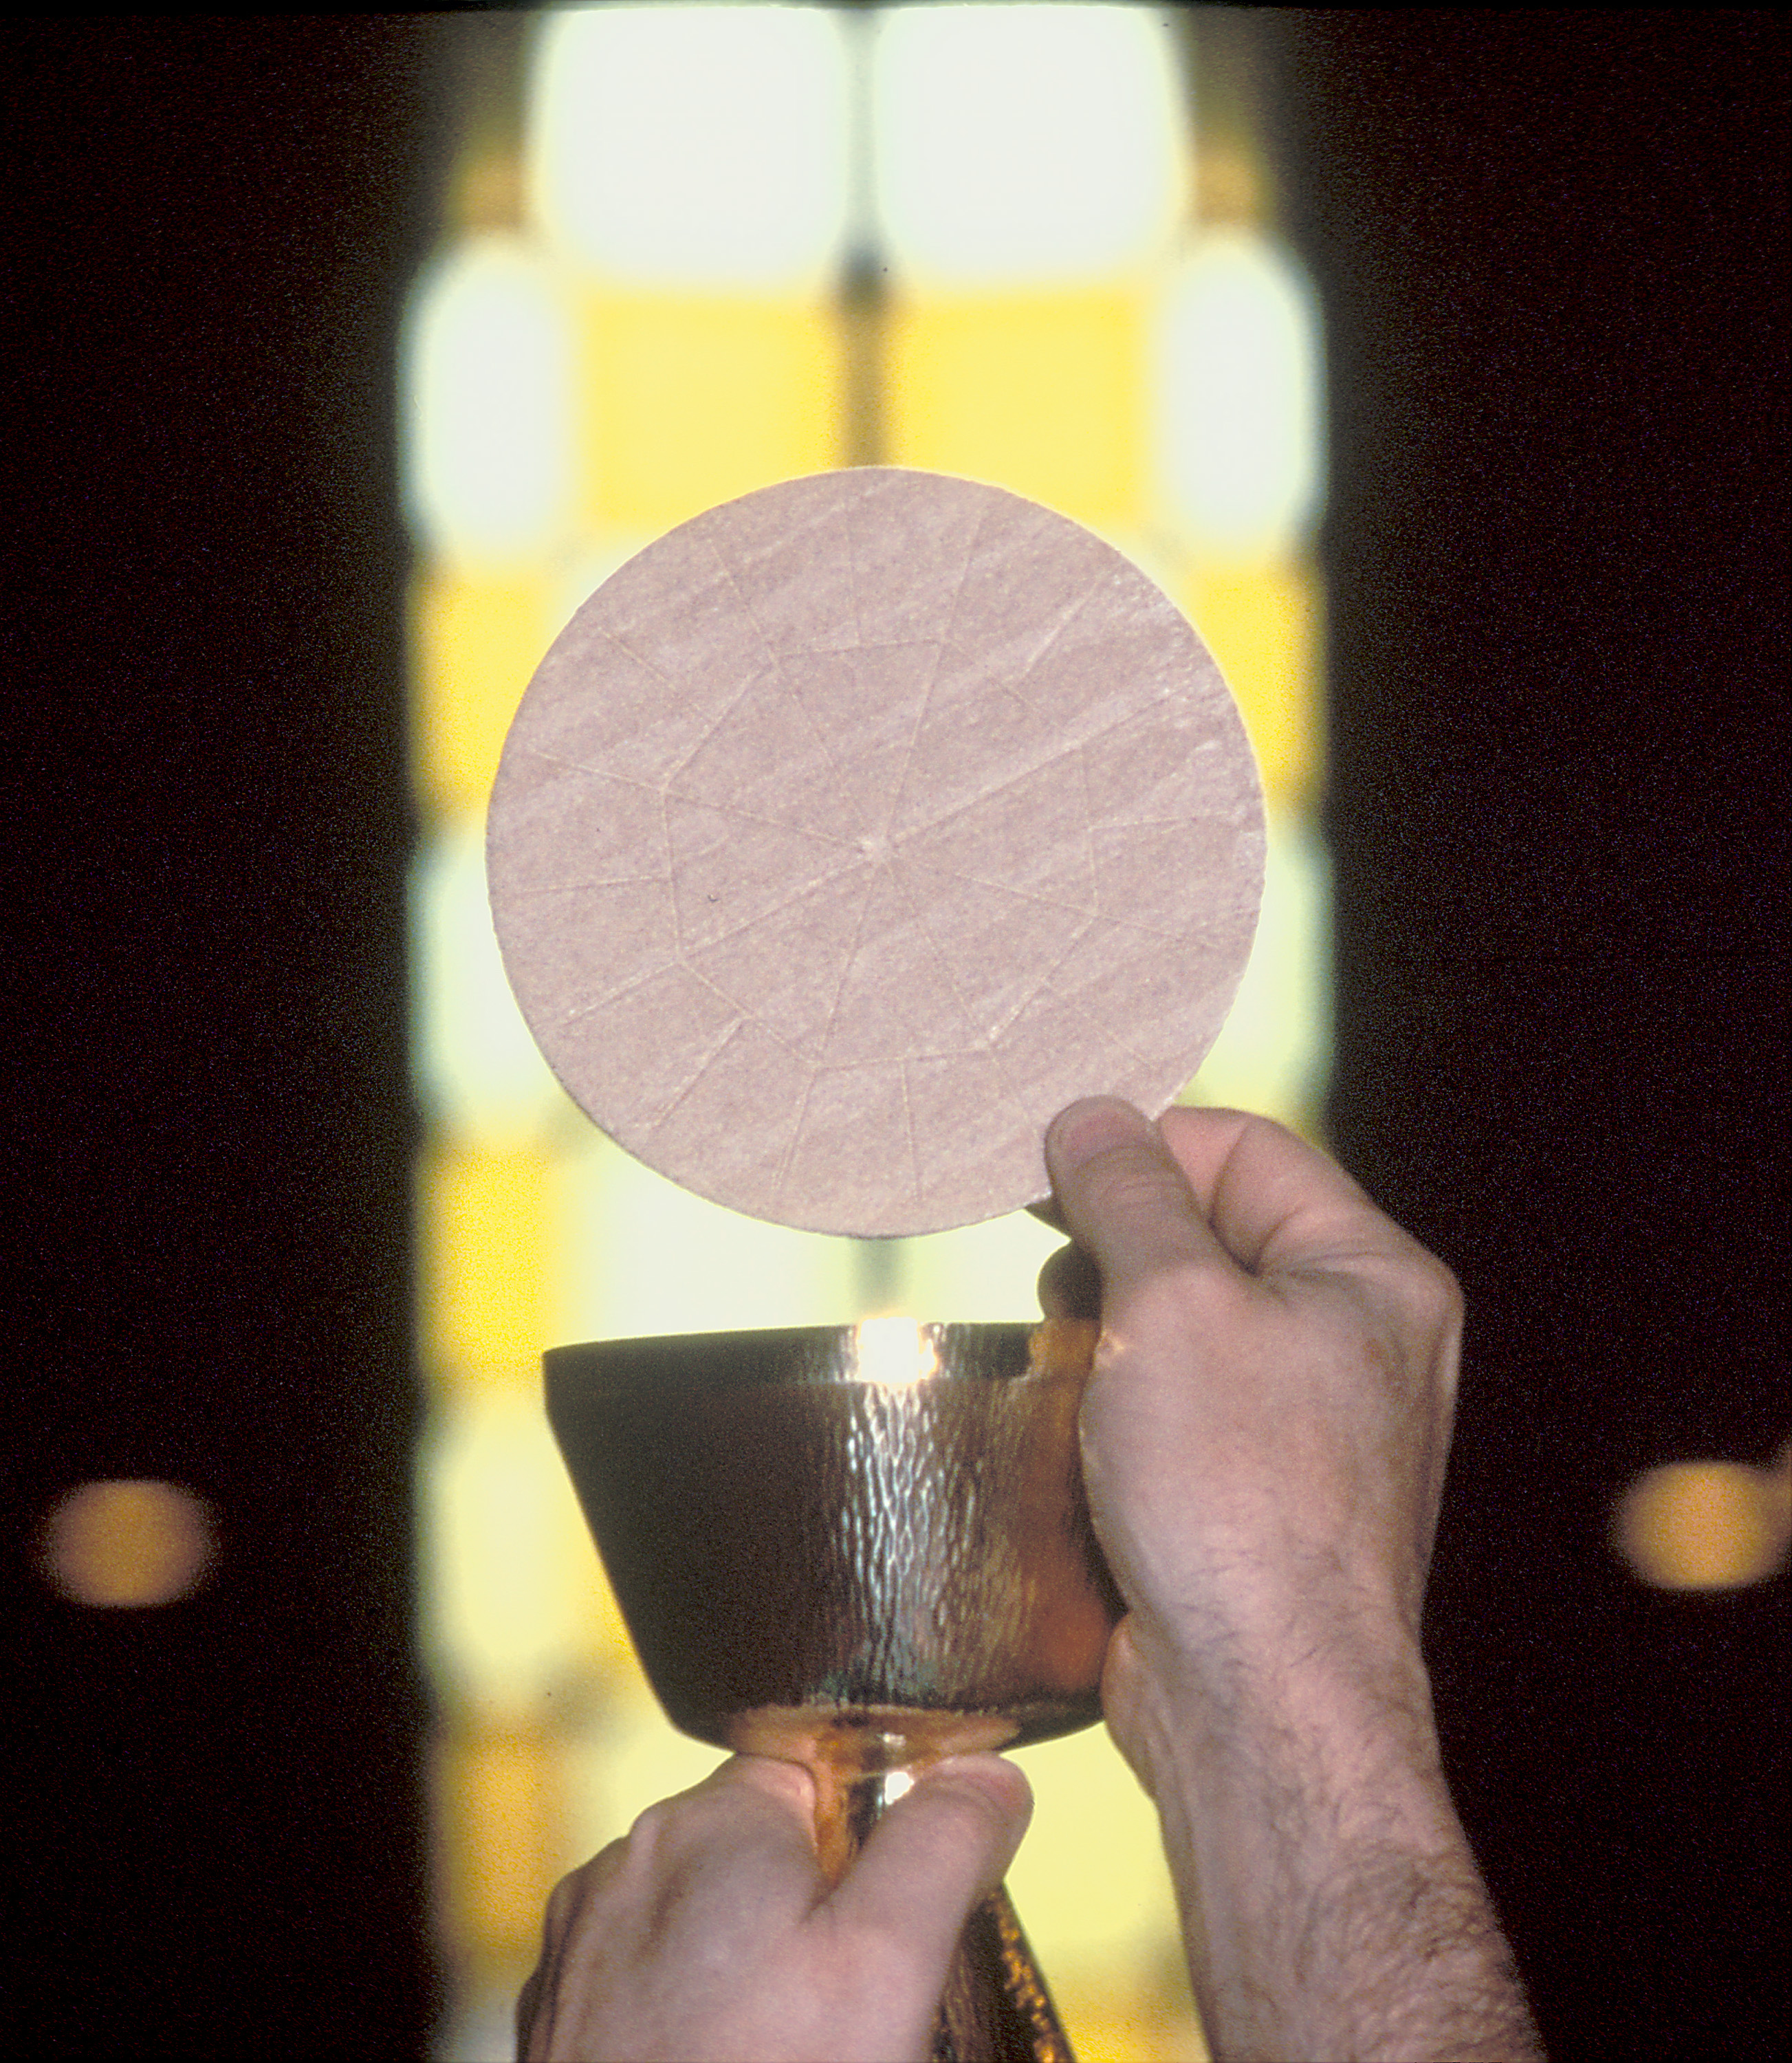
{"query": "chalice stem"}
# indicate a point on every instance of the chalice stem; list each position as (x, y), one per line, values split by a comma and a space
(995, 2007)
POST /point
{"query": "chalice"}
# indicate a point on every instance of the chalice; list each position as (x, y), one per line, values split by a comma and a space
(860, 1549)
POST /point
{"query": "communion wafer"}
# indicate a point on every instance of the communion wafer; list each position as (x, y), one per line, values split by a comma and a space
(852, 829)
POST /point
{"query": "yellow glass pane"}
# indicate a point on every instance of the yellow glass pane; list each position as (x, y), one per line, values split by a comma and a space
(1263, 625)
(482, 1278)
(1093, 1895)
(474, 644)
(1136, 2022)
(499, 1805)
(1090, 1882)
(1041, 392)
(626, 1757)
(689, 400)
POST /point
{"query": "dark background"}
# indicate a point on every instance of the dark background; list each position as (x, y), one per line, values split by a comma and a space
(1552, 251)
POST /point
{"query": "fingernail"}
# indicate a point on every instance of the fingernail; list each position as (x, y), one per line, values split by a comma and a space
(1090, 1128)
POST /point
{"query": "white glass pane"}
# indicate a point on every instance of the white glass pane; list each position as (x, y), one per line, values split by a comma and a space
(487, 401)
(1274, 1054)
(643, 1257)
(693, 145)
(981, 1273)
(506, 1560)
(1025, 142)
(1239, 396)
(479, 1074)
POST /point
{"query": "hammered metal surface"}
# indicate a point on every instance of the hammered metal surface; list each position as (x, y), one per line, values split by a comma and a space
(796, 1546)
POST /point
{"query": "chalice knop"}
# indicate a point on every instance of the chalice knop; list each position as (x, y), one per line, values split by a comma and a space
(859, 1548)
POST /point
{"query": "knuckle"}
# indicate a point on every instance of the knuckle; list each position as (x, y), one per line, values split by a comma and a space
(656, 1833)
(962, 1817)
(562, 1902)
(1420, 1293)
(1256, 1131)
(654, 1824)
(577, 1888)
(1434, 1294)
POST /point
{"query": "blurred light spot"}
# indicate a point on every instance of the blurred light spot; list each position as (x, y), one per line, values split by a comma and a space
(1019, 143)
(895, 1352)
(128, 1542)
(1240, 396)
(488, 398)
(693, 145)
(1706, 1526)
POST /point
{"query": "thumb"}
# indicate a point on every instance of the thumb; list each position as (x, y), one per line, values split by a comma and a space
(1124, 1195)
(937, 1851)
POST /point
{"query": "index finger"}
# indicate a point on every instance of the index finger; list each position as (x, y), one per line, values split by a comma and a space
(1204, 1188)
(1275, 1203)
(751, 1820)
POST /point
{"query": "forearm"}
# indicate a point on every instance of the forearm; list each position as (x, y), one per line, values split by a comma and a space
(1330, 1905)
(1264, 1437)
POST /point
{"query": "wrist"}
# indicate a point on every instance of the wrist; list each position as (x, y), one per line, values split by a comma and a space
(1312, 1700)
(1330, 1905)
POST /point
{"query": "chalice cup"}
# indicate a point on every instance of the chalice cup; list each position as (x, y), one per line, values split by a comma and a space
(858, 1548)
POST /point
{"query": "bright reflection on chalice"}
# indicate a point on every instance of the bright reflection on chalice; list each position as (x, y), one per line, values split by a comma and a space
(860, 1548)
